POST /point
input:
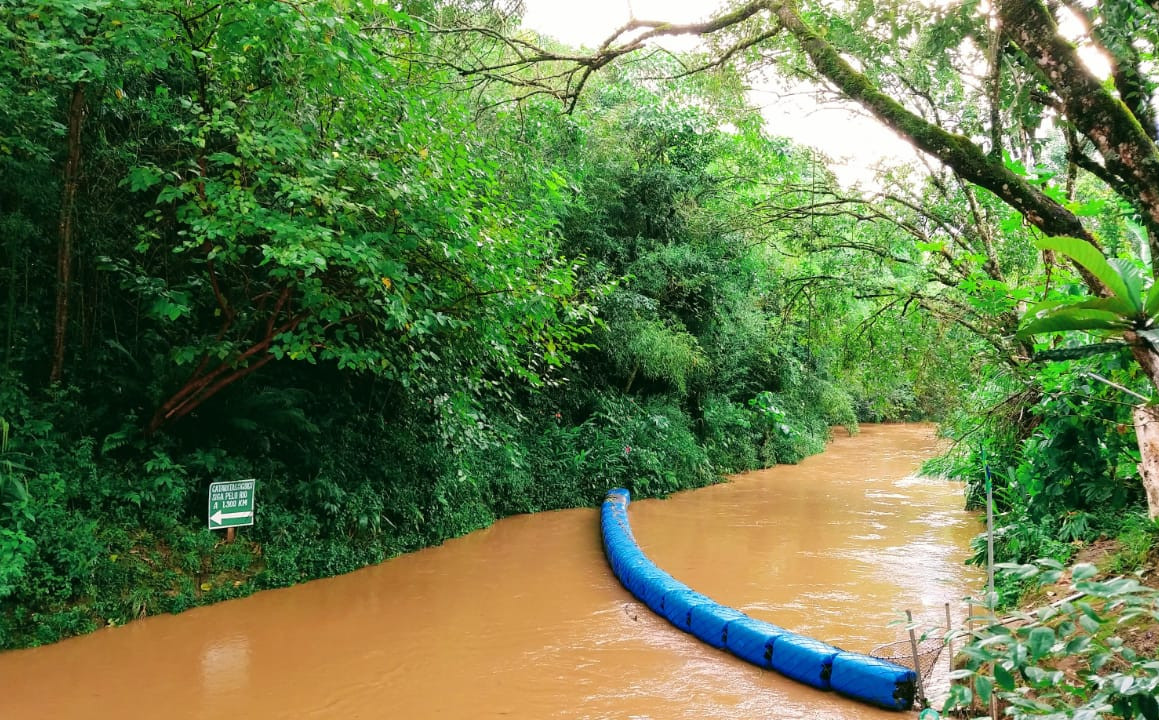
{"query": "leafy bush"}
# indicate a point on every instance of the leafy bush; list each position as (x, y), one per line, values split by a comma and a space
(1069, 660)
(1062, 457)
(730, 435)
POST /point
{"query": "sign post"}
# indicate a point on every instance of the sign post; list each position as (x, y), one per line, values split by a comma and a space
(231, 505)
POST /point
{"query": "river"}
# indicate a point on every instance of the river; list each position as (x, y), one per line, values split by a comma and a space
(525, 620)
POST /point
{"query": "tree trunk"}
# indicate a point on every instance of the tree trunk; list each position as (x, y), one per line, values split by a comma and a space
(76, 115)
(1147, 432)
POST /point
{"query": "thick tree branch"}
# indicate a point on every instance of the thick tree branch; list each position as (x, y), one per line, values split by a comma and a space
(1128, 150)
(957, 151)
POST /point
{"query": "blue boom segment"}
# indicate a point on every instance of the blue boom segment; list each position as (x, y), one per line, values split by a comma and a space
(752, 640)
(804, 659)
(763, 644)
(710, 621)
(678, 604)
(877, 681)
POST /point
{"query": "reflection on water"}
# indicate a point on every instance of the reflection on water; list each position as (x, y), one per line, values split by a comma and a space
(524, 619)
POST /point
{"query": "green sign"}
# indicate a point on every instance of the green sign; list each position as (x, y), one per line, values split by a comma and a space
(231, 504)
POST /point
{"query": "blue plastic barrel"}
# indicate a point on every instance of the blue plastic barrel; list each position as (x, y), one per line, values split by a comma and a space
(804, 659)
(751, 640)
(677, 606)
(875, 681)
(709, 621)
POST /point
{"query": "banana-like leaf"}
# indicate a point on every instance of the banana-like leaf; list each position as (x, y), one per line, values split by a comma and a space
(1087, 255)
(1044, 308)
(1152, 305)
(1050, 307)
(1074, 319)
(1132, 278)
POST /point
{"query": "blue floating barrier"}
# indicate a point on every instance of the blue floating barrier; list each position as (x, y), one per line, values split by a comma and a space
(677, 606)
(877, 681)
(804, 659)
(708, 622)
(751, 640)
(655, 584)
(763, 644)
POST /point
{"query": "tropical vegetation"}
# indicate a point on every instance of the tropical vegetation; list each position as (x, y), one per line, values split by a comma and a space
(412, 268)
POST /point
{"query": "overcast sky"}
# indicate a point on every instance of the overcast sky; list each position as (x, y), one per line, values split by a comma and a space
(854, 141)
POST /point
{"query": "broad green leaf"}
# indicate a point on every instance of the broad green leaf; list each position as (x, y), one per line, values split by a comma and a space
(142, 178)
(1149, 707)
(1152, 305)
(984, 687)
(1089, 624)
(1133, 278)
(1040, 641)
(1078, 645)
(1084, 571)
(1087, 209)
(1003, 677)
(1035, 674)
(1122, 683)
(1044, 308)
(1074, 319)
(1091, 258)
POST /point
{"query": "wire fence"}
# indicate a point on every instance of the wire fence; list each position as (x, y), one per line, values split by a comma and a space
(901, 653)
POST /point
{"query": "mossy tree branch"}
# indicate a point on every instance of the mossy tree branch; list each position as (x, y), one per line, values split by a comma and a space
(1128, 151)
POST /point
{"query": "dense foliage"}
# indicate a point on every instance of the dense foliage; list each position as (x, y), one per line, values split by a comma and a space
(1074, 658)
(320, 245)
(273, 241)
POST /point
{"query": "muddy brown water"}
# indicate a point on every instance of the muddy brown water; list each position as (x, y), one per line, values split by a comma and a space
(525, 620)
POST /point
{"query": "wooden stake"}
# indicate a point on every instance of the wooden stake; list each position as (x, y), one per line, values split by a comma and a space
(230, 534)
(950, 636)
(913, 643)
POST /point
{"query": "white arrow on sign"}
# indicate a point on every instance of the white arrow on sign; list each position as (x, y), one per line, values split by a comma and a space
(218, 516)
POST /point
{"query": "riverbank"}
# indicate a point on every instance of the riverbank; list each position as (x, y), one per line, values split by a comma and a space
(525, 620)
(1082, 639)
(103, 536)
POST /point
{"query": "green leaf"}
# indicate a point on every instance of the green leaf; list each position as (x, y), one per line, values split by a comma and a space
(1035, 675)
(1040, 641)
(1090, 208)
(142, 178)
(1149, 707)
(171, 192)
(1152, 305)
(1122, 683)
(1083, 571)
(1133, 278)
(1091, 258)
(1003, 677)
(984, 687)
(1099, 660)
(1089, 624)
(1078, 645)
(1077, 353)
(1074, 319)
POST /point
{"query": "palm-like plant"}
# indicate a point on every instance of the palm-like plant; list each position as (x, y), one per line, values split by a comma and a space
(1127, 311)
(1129, 306)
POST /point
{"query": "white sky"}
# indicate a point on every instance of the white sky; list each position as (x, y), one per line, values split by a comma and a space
(854, 141)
